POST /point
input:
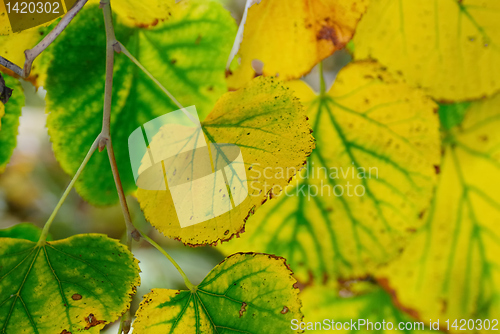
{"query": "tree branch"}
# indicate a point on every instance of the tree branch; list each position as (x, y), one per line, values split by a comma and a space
(112, 45)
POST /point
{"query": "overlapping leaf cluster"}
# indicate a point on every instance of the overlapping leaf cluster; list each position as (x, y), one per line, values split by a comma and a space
(398, 199)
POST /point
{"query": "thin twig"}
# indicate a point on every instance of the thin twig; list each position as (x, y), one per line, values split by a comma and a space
(46, 227)
(124, 50)
(108, 87)
(31, 54)
(113, 46)
(322, 84)
(11, 66)
(188, 283)
(132, 233)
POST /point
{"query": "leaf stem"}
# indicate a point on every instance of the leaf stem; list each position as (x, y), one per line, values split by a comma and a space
(188, 283)
(322, 85)
(31, 54)
(45, 231)
(135, 61)
(124, 50)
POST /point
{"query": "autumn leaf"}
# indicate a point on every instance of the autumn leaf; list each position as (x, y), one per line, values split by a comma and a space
(289, 37)
(449, 48)
(454, 258)
(268, 124)
(23, 231)
(366, 184)
(245, 293)
(9, 121)
(185, 52)
(71, 285)
(355, 307)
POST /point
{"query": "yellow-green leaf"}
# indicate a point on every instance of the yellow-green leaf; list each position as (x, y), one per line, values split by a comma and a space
(366, 184)
(454, 260)
(290, 37)
(245, 293)
(9, 120)
(26, 231)
(144, 13)
(270, 127)
(355, 307)
(66, 286)
(448, 47)
(185, 53)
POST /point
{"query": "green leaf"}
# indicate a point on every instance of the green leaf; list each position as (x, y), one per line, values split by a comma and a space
(269, 126)
(71, 285)
(454, 259)
(366, 184)
(452, 114)
(9, 120)
(26, 231)
(368, 307)
(186, 53)
(449, 48)
(245, 293)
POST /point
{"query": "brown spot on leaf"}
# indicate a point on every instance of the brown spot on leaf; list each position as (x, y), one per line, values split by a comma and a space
(284, 310)
(444, 306)
(76, 296)
(328, 33)
(65, 332)
(198, 40)
(243, 308)
(92, 321)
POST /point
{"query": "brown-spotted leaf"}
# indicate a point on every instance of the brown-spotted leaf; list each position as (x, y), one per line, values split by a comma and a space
(290, 37)
(268, 124)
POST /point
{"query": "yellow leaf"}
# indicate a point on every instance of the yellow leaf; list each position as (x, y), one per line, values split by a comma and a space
(290, 37)
(451, 269)
(448, 47)
(269, 125)
(366, 183)
(12, 46)
(142, 13)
